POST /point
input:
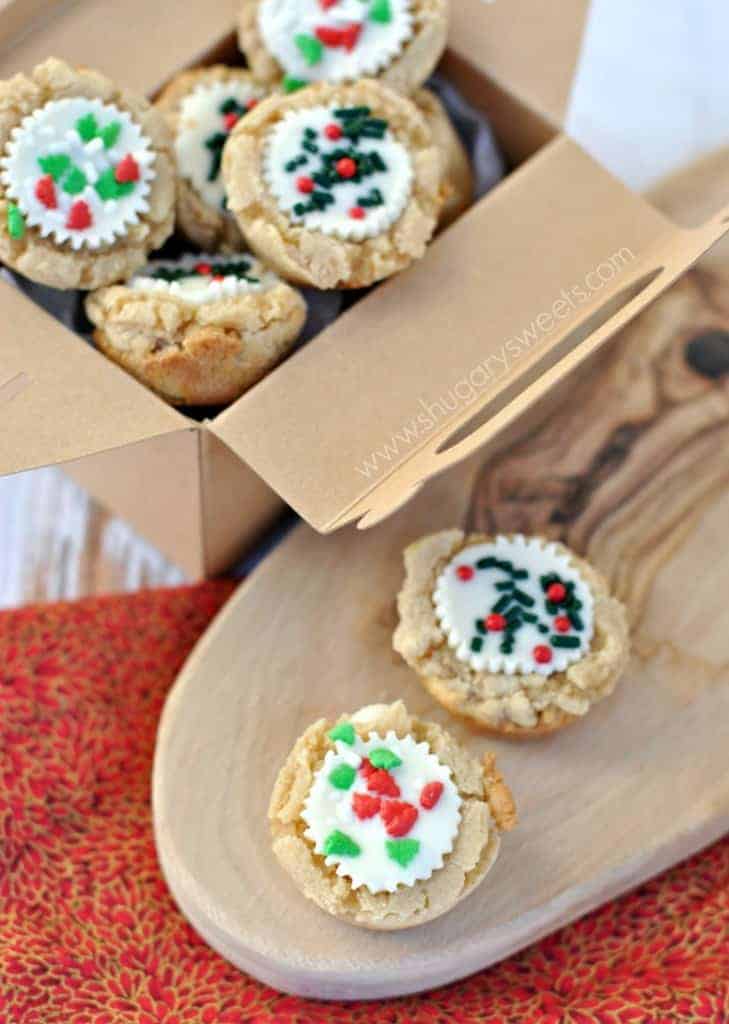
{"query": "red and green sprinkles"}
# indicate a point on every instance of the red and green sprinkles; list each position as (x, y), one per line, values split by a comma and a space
(217, 270)
(230, 111)
(15, 222)
(345, 163)
(312, 46)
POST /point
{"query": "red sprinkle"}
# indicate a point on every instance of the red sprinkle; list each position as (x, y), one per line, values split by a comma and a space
(305, 184)
(333, 131)
(218, 277)
(365, 806)
(79, 216)
(45, 191)
(562, 624)
(366, 767)
(350, 35)
(127, 169)
(430, 794)
(380, 781)
(465, 572)
(329, 35)
(346, 167)
(252, 102)
(326, 4)
(398, 816)
(542, 654)
(495, 622)
(357, 213)
(556, 592)
(203, 268)
(230, 120)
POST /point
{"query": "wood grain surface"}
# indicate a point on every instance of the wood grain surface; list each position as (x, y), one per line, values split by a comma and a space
(628, 463)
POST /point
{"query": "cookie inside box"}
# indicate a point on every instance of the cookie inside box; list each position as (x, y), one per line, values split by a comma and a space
(464, 99)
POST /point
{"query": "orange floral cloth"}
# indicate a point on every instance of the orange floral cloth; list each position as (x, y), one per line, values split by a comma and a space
(89, 934)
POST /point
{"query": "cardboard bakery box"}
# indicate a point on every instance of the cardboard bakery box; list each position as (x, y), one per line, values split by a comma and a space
(431, 364)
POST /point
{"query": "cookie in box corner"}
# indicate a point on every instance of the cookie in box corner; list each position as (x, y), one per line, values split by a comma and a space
(335, 186)
(202, 107)
(384, 820)
(515, 633)
(87, 185)
(305, 41)
(199, 330)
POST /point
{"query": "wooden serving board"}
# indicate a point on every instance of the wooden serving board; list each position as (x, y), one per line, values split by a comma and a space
(629, 463)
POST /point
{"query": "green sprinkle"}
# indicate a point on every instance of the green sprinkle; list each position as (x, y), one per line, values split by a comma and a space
(486, 563)
(380, 11)
(523, 598)
(506, 585)
(339, 844)
(528, 617)
(291, 84)
(310, 48)
(55, 164)
(347, 112)
(381, 757)
(87, 127)
(110, 133)
(476, 644)
(481, 626)
(107, 187)
(564, 641)
(502, 604)
(402, 850)
(542, 628)
(344, 732)
(342, 776)
(520, 574)
(575, 620)
(74, 182)
(16, 222)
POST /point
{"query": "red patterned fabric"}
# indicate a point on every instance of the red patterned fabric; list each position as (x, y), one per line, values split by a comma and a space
(89, 934)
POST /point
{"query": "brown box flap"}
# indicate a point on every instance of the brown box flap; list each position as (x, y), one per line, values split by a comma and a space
(521, 289)
(529, 48)
(137, 42)
(60, 399)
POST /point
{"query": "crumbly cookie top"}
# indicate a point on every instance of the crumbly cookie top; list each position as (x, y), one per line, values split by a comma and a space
(200, 278)
(384, 811)
(338, 170)
(79, 171)
(334, 40)
(207, 116)
(514, 605)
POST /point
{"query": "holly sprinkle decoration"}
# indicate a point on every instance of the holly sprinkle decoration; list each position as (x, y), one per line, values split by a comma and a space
(514, 605)
(198, 279)
(207, 116)
(77, 170)
(338, 170)
(385, 811)
(334, 40)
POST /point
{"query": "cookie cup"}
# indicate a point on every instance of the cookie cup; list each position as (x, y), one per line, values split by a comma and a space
(487, 810)
(211, 229)
(206, 354)
(59, 265)
(406, 72)
(311, 257)
(519, 705)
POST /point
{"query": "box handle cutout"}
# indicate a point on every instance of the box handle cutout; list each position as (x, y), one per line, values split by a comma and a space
(494, 414)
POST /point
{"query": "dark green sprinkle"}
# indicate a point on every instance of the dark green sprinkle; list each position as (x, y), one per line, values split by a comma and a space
(520, 574)
(480, 627)
(528, 617)
(476, 644)
(576, 621)
(564, 641)
(502, 604)
(542, 628)
(523, 598)
(486, 563)
(506, 585)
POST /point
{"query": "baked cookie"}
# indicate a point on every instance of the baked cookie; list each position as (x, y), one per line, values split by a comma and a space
(385, 821)
(199, 330)
(399, 41)
(336, 186)
(515, 633)
(457, 176)
(86, 177)
(202, 108)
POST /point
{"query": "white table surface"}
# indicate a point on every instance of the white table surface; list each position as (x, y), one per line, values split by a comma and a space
(651, 93)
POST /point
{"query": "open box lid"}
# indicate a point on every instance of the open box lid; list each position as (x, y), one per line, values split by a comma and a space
(434, 363)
